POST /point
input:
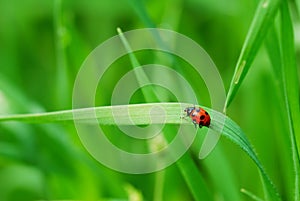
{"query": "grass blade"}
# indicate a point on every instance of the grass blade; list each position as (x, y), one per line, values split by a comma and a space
(105, 115)
(290, 89)
(263, 19)
(62, 80)
(172, 113)
(235, 134)
(228, 189)
(186, 165)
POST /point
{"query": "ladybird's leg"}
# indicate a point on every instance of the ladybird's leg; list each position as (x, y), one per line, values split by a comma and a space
(200, 126)
(195, 123)
(183, 117)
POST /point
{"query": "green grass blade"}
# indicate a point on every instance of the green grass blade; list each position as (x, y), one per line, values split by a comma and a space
(219, 180)
(191, 174)
(193, 178)
(235, 134)
(105, 115)
(172, 113)
(291, 89)
(62, 82)
(148, 93)
(140, 9)
(263, 19)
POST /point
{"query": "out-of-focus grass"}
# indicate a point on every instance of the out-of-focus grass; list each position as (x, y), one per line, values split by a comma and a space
(50, 158)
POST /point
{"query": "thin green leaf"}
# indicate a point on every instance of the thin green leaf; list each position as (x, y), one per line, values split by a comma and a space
(290, 89)
(234, 133)
(172, 113)
(105, 115)
(148, 93)
(263, 19)
(186, 165)
(219, 177)
(62, 80)
(193, 177)
(274, 53)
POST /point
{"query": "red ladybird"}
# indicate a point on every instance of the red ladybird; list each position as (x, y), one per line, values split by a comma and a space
(198, 115)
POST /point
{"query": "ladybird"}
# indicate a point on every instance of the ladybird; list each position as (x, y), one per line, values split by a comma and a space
(198, 115)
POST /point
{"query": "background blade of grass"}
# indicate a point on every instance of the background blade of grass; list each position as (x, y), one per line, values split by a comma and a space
(260, 25)
(188, 169)
(62, 93)
(219, 177)
(140, 9)
(283, 61)
(291, 90)
(275, 55)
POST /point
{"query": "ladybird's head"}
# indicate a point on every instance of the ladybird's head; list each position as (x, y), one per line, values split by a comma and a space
(188, 110)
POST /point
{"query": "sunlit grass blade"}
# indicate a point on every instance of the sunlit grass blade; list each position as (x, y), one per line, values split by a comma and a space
(291, 89)
(105, 115)
(263, 19)
(172, 113)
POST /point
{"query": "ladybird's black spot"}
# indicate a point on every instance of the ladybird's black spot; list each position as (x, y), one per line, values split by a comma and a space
(206, 113)
(202, 117)
(201, 123)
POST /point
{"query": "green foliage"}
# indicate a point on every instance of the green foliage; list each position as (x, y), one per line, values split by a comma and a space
(263, 19)
(43, 45)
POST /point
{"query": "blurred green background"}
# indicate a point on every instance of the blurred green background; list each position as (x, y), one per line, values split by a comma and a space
(42, 46)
